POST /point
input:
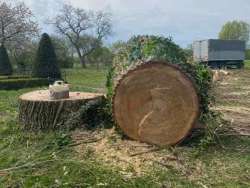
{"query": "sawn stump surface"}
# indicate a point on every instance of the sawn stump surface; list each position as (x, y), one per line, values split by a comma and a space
(156, 103)
(38, 112)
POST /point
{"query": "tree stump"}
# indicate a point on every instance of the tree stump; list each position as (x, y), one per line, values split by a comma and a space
(156, 103)
(38, 112)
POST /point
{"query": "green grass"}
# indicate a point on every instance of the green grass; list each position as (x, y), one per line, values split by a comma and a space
(46, 159)
(247, 64)
(86, 79)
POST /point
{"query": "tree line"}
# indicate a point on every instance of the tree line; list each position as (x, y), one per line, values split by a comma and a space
(78, 36)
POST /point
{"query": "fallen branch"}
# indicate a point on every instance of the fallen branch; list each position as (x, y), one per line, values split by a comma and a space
(164, 164)
(145, 152)
(143, 146)
(27, 165)
(84, 142)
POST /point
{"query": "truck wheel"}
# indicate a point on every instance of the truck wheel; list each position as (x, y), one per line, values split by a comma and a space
(240, 65)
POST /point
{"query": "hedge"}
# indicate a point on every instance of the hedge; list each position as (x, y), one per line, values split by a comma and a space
(46, 64)
(14, 77)
(5, 65)
(13, 84)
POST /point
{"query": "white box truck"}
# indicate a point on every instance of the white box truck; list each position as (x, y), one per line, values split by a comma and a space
(220, 53)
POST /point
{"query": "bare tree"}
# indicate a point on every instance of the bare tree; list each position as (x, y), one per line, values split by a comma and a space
(84, 29)
(22, 53)
(16, 23)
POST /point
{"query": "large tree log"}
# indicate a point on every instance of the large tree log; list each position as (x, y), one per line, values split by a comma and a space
(38, 112)
(155, 102)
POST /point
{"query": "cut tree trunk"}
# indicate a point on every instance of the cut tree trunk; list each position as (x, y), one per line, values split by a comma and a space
(155, 102)
(38, 112)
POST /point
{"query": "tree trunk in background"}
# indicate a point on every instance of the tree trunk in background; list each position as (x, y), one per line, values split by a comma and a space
(81, 57)
(83, 62)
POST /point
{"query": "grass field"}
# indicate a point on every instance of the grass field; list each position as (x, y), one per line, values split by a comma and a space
(247, 64)
(51, 160)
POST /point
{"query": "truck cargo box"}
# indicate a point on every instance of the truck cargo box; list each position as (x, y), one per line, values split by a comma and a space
(219, 51)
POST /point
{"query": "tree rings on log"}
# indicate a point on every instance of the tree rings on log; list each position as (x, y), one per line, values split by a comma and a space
(38, 112)
(156, 103)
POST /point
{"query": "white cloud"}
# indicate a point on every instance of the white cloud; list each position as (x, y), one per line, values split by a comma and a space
(185, 20)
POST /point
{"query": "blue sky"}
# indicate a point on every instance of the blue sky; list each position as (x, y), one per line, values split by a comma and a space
(184, 20)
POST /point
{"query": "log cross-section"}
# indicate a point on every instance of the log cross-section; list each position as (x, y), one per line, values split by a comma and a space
(156, 103)
(38, 112)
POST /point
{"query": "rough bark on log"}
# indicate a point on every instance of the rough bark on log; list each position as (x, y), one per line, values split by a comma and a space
(38, 112)
(155, 102)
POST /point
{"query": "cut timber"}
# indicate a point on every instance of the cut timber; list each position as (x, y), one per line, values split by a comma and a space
(156, 102)
(38, 112)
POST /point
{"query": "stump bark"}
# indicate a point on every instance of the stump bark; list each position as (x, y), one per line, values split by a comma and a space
(155, 102)
(38, 112)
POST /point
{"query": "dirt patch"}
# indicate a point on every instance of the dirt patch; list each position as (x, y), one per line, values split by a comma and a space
(233, 95)
(115, 151)
(239, 118)
(132, 157)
